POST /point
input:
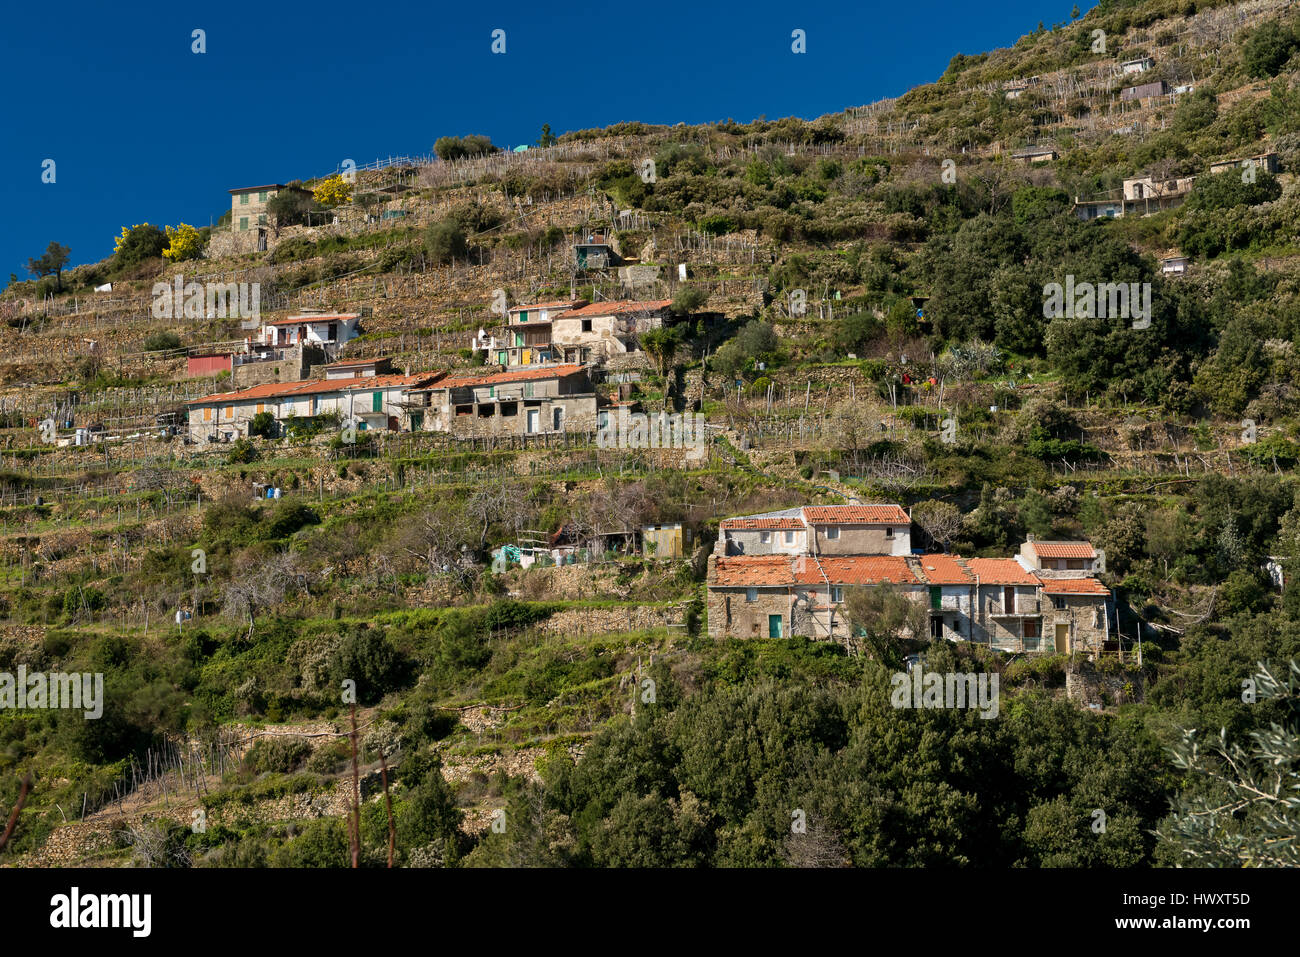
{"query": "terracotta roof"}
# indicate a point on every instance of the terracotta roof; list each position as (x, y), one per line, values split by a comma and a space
(312, 386)
(522, 375)
(1074, 586)
(616, 308)
(753, 570)
(854, 570)
(555, 304)
(299, 320)
(944, 570)
(856, 515)
(1063, 549)
(730, 523)
(356, 362)
(1000, 571)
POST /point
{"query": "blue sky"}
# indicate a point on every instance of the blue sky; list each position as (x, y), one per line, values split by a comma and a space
(143, 130)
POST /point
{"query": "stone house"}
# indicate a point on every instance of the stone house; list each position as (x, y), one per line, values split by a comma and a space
(951, 595)
(1008, 610)
(1076, 615)
(328, 331)
(1263, 162)
(858, 530)
(1060, 559)
(602, 330)
(772, 533)
(528, 333)
(531, 401)
(367, 403)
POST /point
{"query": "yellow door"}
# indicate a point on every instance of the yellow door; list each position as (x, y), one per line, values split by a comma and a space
(527, 356)
(1062, 638)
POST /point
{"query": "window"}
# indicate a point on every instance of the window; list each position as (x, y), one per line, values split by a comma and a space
(243, 223)
(1074, 563)
(602, 420)
(1058, 602)
(889, 533)
(261, 219)
(837, 594)
(230, 412)
(464, 410)
(243, 199)
(261, 196)
(789, 538)
(207, 415)
(509, 408)
(751, 594)
(764, 537)
(1031, 628)
(586, 325)
(832, 532)
(528, 390)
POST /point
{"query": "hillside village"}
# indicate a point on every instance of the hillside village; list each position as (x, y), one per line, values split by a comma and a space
(620, 473)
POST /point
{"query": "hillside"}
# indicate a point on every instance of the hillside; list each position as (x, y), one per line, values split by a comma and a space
(859, 306)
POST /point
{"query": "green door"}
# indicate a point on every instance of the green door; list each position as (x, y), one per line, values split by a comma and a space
(774, 626)
(377, 402)
(417, 421)
(936, 597)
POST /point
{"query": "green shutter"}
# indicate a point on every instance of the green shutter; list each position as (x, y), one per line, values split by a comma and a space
(936, 597)
(378, 402)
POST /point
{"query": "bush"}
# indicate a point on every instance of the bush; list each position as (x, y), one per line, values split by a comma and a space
(242, 452)
(459, 147)
(366, 657)
(161, 341)
(277, 755)
(264, 425)
(445, 241)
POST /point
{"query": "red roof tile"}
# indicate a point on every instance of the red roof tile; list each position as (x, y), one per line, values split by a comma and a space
(854, 570)
(615, 308)
(1074, 586)
(522, 375)
(856, 515)
(1000, 571)
(737, 523)
(1063, 549)
(271, 390)
(753, 570)
(944, 570)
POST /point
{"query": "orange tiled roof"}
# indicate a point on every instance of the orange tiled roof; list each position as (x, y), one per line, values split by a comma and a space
(1000, 571)
(522, 375)
(944, 570)
(271, 390)
(615, 308)
(1063, 549)
(855, 570)
(732, 523)
(856, 514)
(753, 570)
(1074, 586)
